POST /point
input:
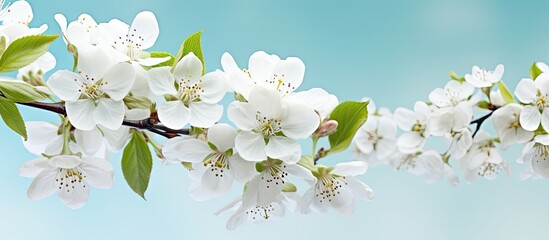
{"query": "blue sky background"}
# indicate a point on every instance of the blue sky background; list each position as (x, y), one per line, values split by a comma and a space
(394, 51)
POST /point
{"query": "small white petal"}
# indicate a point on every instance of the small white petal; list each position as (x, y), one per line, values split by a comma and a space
(526, 90)
(109, 113)
(66, 85)
(174, 114)
(43, 185)
(188, 69)
(204, 115)
(161, 81)
(251, 146)
(530, 118)
(118, 80)
(81, 114)
(353, 168)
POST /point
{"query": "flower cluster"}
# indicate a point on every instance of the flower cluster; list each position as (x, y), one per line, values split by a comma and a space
(121, 96)
(450, 114)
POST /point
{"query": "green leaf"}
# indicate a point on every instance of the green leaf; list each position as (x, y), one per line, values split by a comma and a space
(455, 77)
(168, 63)
(191, 44)
(12, 117)
(535, 71)
(483, 104)
(307, 161)
(289, 187)
(507, 95)
(137, 164)
(23, 51)
(188, 166)
(2, 45)
(19, 91)
(349, 116)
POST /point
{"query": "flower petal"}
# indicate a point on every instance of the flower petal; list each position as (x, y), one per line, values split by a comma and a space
(186, 150)
(526, 90)
(283, 148)
(174, 114)
(65, 161)
(261, 66)
(81, 114)
(75, 198)
(405, 118)
(43, 185)
(291, 71)
(251, 146)
(90, 141)
(530, 118)
(93, 62)
(299, 121)
(242, 115)
(204, 115)
(267, 101)
(109, 113)
(360, 189)
(118, 81)
(352, 168)
(144, 30)
(222, 136)
(188, 69)
(66, 85)
(214, 86)
(39, 136)
(99, 172)
(34, 167)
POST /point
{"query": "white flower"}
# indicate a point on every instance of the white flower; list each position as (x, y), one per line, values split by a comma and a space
(376, 139)
(452, 94)
(258, 213)
(266, 186)
(453, 108)
(271, 127)
(536, 96)
(506, 121)
(414, 124)
(480, 77)
(216, 163)
(94, 96)
(15, 20)
(483, 159)
(127, 43)
(191, 97)
(81, 32)
(265, 70)
(536, 153)
(68, 175)
(436, 169)
(336, 188)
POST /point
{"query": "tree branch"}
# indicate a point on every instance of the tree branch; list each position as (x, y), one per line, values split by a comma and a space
(151, 123)
(481, 120)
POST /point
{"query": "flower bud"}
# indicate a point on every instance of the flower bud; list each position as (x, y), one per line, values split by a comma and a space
(326, 129)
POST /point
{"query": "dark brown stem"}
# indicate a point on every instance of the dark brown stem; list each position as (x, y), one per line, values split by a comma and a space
(151, 123)
(481, 120)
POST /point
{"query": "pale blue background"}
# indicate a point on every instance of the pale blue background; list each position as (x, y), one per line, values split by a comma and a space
(392, 51)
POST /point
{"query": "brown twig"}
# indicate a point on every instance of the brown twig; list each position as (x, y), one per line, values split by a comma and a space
(151, 123)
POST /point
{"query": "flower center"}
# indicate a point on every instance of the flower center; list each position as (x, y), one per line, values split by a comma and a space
(408, 162)
(90, 88)
(189, 92)
(328, 187)
(489, 169)
(542, 101)
(373, 137)
(217, 163)
(259, 212)
(68, 179)
(274, 175)
(130, 44)
(541, 152)
(267, 127)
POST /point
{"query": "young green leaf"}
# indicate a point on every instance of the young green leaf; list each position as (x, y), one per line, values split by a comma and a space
(12, 117)
(137, 164)
(168, 63)
(23, 51)
(2, 45)
(535, 71)
(350, 116)
(507, 95)
(191, 44)
(19, 91)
